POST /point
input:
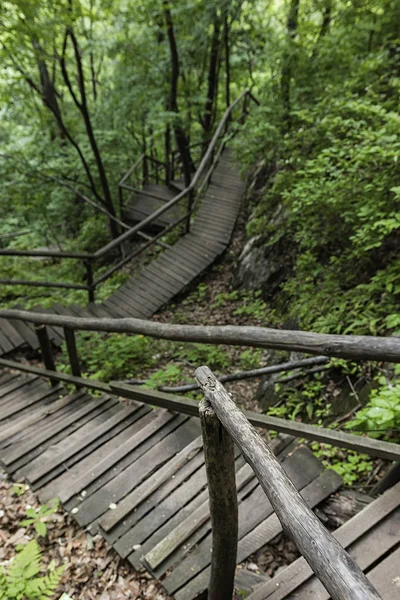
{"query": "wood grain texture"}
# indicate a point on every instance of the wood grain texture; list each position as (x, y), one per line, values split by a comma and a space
(342, 346)
(330, 562)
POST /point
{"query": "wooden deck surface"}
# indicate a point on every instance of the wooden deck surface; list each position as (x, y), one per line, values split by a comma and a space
(166, 276)
(137, 476)
(372, 538)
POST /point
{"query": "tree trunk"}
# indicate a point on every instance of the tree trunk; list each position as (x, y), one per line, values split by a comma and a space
(49, 95)
(182, 141)
(83, 107)
(287, 64)
(212, 79)
(227, 63)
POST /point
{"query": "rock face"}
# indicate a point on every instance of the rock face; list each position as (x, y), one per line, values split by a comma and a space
(264, 266)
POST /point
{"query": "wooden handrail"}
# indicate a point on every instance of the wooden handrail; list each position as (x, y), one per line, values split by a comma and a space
(187, 406)
(138, 228)
(48, 284)
(45, 253)
(126, 235)
(333, 566)
(353, 347)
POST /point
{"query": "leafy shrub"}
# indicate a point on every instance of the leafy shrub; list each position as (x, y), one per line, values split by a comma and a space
(23, 582)
(382, 412)
(112, 357)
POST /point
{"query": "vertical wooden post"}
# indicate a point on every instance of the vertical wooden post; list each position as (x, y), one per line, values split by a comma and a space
(220, 467)
(46, 350)
(121, 200)
(89, 279)
(169, 157)
(190, 205)
(72, 353)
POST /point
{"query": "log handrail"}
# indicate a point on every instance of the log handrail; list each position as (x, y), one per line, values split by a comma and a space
(188, 192)
(352, 347)
(187, 406)
(190, 188)
(341, 576)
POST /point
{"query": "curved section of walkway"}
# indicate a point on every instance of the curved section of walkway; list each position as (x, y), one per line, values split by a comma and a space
(166, 276)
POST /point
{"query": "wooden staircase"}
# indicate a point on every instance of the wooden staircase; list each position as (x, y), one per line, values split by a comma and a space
(166, 276)
(137, 476)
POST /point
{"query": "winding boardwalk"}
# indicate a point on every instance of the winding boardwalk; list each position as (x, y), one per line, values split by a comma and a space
(166, 276)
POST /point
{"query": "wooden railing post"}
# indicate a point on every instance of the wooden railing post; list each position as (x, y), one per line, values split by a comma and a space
(342, 577)
(46, 350)
(189, 208)
(89, 279)
(121, 200)
(220, 467)
(72, 353)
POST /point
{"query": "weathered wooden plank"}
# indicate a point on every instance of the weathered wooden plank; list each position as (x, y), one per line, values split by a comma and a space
(12, 333)
(299, 571)
(16, 382)
(385, 576)
(193, 494)
(152, 425)
(252, 511)
(132, 500)
(365, 552)
(18, 404)
(246, 581)
(24, 422)
(21, 392)
(199, 582)
(76, 442)
(26, 331)
(164, 510)
(182, 532)
(53, 428)
(136, 472)
(149, 509)
(86, 464)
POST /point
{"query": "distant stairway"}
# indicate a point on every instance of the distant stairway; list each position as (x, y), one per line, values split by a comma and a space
(143, 203)
(166, 276)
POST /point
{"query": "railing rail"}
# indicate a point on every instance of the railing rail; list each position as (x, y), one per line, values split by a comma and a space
(352, 347)
(341, 576)
(202, 176)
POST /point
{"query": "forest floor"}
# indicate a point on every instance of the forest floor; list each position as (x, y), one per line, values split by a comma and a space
(93, 570)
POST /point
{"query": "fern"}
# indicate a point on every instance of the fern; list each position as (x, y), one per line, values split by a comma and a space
(22, 581)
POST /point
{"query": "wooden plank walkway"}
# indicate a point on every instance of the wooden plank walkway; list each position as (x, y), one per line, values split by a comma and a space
(372, 538)
(140, 205)
(166, 276)
(137, 476)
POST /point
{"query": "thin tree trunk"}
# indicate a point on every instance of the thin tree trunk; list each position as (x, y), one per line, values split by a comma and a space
(182, 141)
(287, 64)
(212, 79)
(227, 62)
(83, 108)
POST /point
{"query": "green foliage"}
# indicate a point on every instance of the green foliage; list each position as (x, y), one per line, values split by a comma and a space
(37, 518)
(203, 354)
(350, 465)
(168, 376)
(23, 582)
(115, 356)
(381, 414)
(18, 489)
(306, 403)
(250, 359)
